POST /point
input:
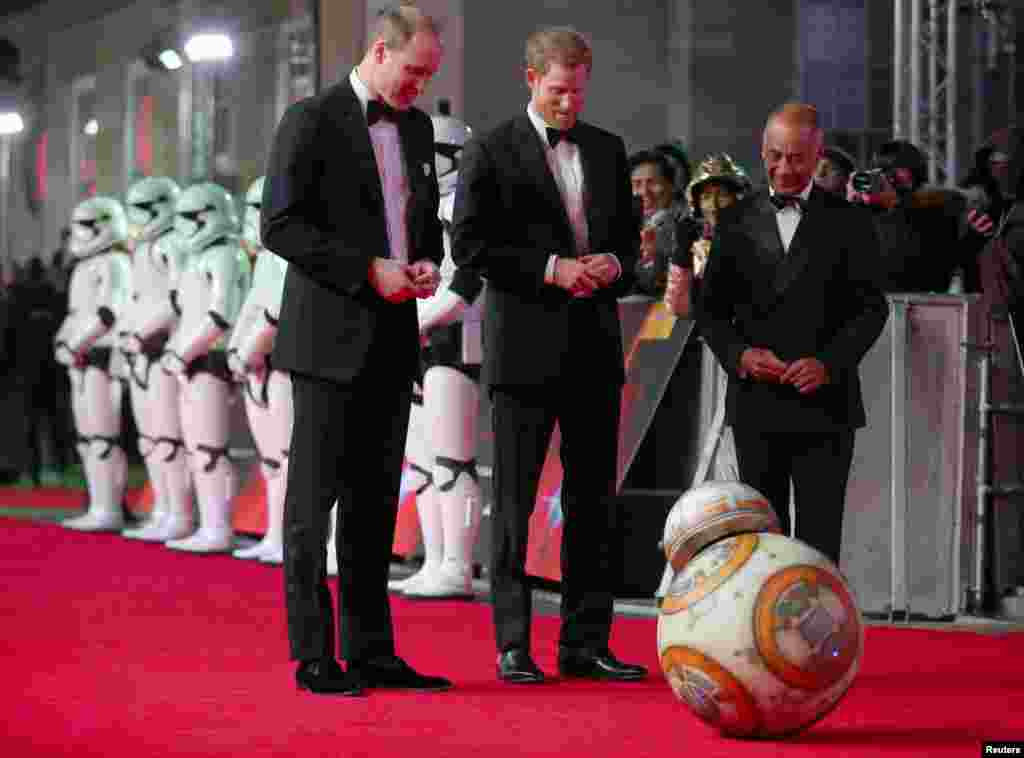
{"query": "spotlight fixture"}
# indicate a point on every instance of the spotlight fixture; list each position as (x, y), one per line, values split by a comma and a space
(170, 59)
(92, 127)
(10, 123)
(209, 47)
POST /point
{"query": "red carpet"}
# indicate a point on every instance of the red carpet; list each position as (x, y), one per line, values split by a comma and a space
(65, 498)
(114, 648)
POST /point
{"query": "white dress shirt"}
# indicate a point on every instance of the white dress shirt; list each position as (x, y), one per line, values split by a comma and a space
(567, 168)
(788, 218)
(393, 180)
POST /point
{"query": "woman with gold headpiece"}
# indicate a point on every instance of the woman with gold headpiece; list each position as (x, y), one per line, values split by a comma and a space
(718, 183)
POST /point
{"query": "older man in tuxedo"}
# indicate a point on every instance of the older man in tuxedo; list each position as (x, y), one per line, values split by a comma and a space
(351, 202)
(790, 304)
(544, 212)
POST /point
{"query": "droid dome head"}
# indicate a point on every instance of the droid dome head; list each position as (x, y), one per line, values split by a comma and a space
(450, 136)
(205, 213)
(150, 204)
(711, 511)
(251, 222)
(97, 224)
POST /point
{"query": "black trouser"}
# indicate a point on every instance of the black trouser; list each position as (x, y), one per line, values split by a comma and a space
(819, 466)
(348, 443)
(588, 419)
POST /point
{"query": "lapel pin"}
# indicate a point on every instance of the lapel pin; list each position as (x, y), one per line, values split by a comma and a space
(426, 169)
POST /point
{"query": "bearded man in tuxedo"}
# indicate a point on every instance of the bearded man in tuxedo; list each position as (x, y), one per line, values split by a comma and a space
(544, 212)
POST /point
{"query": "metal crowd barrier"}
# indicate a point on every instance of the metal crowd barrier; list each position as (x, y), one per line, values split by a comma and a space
(918, 537)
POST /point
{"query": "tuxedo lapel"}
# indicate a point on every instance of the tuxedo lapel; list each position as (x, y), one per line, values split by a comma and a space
(592, 204)
(536, 164)
(765, 228)
(350, 111)
(800, 247)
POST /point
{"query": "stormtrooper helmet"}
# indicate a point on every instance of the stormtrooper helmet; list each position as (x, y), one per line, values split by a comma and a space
(150, 205)
(97, 224)
(204, 214)
(251, 222)
(450, 136)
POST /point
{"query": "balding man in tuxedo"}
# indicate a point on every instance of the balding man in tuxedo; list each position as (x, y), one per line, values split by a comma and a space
(789, 305)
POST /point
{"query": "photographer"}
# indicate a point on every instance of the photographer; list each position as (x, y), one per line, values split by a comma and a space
(834, 169)
(989, 190)
(1002, 260)
(922, 229)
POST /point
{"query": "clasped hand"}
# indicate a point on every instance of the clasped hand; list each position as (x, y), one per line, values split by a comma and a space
(582, 276)
(806, 374)
(397, 282)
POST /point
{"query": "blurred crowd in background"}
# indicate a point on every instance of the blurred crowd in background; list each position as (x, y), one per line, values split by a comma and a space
(932, 241)
(35, 408)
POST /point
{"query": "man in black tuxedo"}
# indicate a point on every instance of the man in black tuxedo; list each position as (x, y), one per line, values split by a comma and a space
(789, 305)
(544, 212)
(351, 202)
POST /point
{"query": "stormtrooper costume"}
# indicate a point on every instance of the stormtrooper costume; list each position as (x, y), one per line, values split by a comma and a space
(209, 294)
(146, 328)
(268, 393)
(442, 438)
(98, 293)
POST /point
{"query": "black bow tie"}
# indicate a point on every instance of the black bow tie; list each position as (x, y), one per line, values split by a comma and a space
(557, 135)
(377, 110)
(781, 201)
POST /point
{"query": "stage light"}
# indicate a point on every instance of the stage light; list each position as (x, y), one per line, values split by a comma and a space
(170, 59)
(209, 47)
(10, 123)
(92, 127)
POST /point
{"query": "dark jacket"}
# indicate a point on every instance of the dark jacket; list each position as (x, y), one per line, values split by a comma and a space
(509, 218)
(818, 299)
(323, 211)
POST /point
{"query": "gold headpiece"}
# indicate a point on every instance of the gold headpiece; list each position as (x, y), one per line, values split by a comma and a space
(718, 167)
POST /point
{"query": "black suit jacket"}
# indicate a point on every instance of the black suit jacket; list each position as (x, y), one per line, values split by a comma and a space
(509, 219)
(820, 299)
(323, 211)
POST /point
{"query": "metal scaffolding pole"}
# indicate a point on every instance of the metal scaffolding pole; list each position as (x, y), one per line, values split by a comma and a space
(931, 108)
(899, 65)
(952, 91)
(932, 95)
(914, 95)
(1010, 47)
(5, 195)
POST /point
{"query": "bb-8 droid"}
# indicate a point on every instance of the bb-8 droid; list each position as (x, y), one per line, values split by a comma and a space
(758, 633)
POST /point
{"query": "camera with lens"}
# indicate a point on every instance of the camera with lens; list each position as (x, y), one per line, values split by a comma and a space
(868, 181)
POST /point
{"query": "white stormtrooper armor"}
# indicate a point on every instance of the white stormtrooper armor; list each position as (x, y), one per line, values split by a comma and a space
(209, 295)
(149, 318)
(268, 393)
(97, 296)
(443, 429)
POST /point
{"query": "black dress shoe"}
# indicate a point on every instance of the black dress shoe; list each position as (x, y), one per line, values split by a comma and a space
(326, 677)
(587, 663)
(392, 673)
(517, 667)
